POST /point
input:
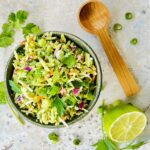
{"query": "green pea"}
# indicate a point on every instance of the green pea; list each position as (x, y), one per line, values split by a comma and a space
(134, 41)
(117, 27)
(128, 15)
(76, 141)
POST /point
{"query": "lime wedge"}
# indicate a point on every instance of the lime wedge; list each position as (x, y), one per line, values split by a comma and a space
(124, 123)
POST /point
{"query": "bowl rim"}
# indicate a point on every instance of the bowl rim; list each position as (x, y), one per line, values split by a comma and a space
(83, 115)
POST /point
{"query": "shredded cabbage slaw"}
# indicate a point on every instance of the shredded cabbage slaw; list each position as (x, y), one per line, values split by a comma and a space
(54, 79)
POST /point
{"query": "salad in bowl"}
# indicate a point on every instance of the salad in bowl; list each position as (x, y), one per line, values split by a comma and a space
(53, 79)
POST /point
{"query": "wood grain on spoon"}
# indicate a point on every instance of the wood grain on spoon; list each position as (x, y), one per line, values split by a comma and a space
(94, 17)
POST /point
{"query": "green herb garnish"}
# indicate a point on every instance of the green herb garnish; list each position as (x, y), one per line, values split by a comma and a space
(3, 98)
(54, 90)
(8, 30)
(117, 27)
(31, 28)
(5, 41)
(59, 106)
(15, 87)
(18, 19)
(15, 21)
(134, 41)
(53, 137)
(69, 61)
(128, 15)
(76, 141)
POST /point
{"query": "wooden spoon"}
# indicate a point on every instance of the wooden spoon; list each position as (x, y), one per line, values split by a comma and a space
(94, 17)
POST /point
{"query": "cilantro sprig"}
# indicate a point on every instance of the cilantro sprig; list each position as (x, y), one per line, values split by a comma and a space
(15, 21)
(107, 144)
(15, 87)
(31, 28)
(59, 106)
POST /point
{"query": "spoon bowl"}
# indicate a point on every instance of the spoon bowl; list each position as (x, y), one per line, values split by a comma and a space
(93, 16)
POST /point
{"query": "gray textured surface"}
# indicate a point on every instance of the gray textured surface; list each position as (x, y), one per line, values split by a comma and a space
(61, 15)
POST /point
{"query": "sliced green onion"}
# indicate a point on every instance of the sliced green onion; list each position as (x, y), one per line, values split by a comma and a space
(76, 141)
(134, 41)
(117, 27)
(128, 15)
(53, 137)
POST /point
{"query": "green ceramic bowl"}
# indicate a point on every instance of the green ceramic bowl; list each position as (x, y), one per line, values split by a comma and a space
(84, 46)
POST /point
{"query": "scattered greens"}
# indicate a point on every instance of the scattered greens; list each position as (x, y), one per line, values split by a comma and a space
(51, 81)
(76, 141)
(31, 28)
(117, 27)
(105, 143)
(17, 19)
(53, 137)
(128, 15)
(15, 88)
(58, 104)
(5, 40)
(16, 22)
(7, 30)
(134, 41)
(69, 61)
(3, 98)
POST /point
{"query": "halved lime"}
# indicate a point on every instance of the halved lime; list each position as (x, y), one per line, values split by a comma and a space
(124, 122)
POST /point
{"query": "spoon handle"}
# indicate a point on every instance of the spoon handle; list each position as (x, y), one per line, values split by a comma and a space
(125, 77)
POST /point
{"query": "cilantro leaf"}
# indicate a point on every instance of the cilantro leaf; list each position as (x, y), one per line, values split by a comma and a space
(106, 144)
(78, 84)
(54, 90)
(110, 144)
(100, 145)
(90, 96)
(69, 61)
(56, 76)
(3, 98)
(7, 29)
(31, 28)
(42, 91)
(59, 106)
(16, 20)
(71, 100)
(12, 18)
(15, 87)
(5, 41)
(21, 15)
